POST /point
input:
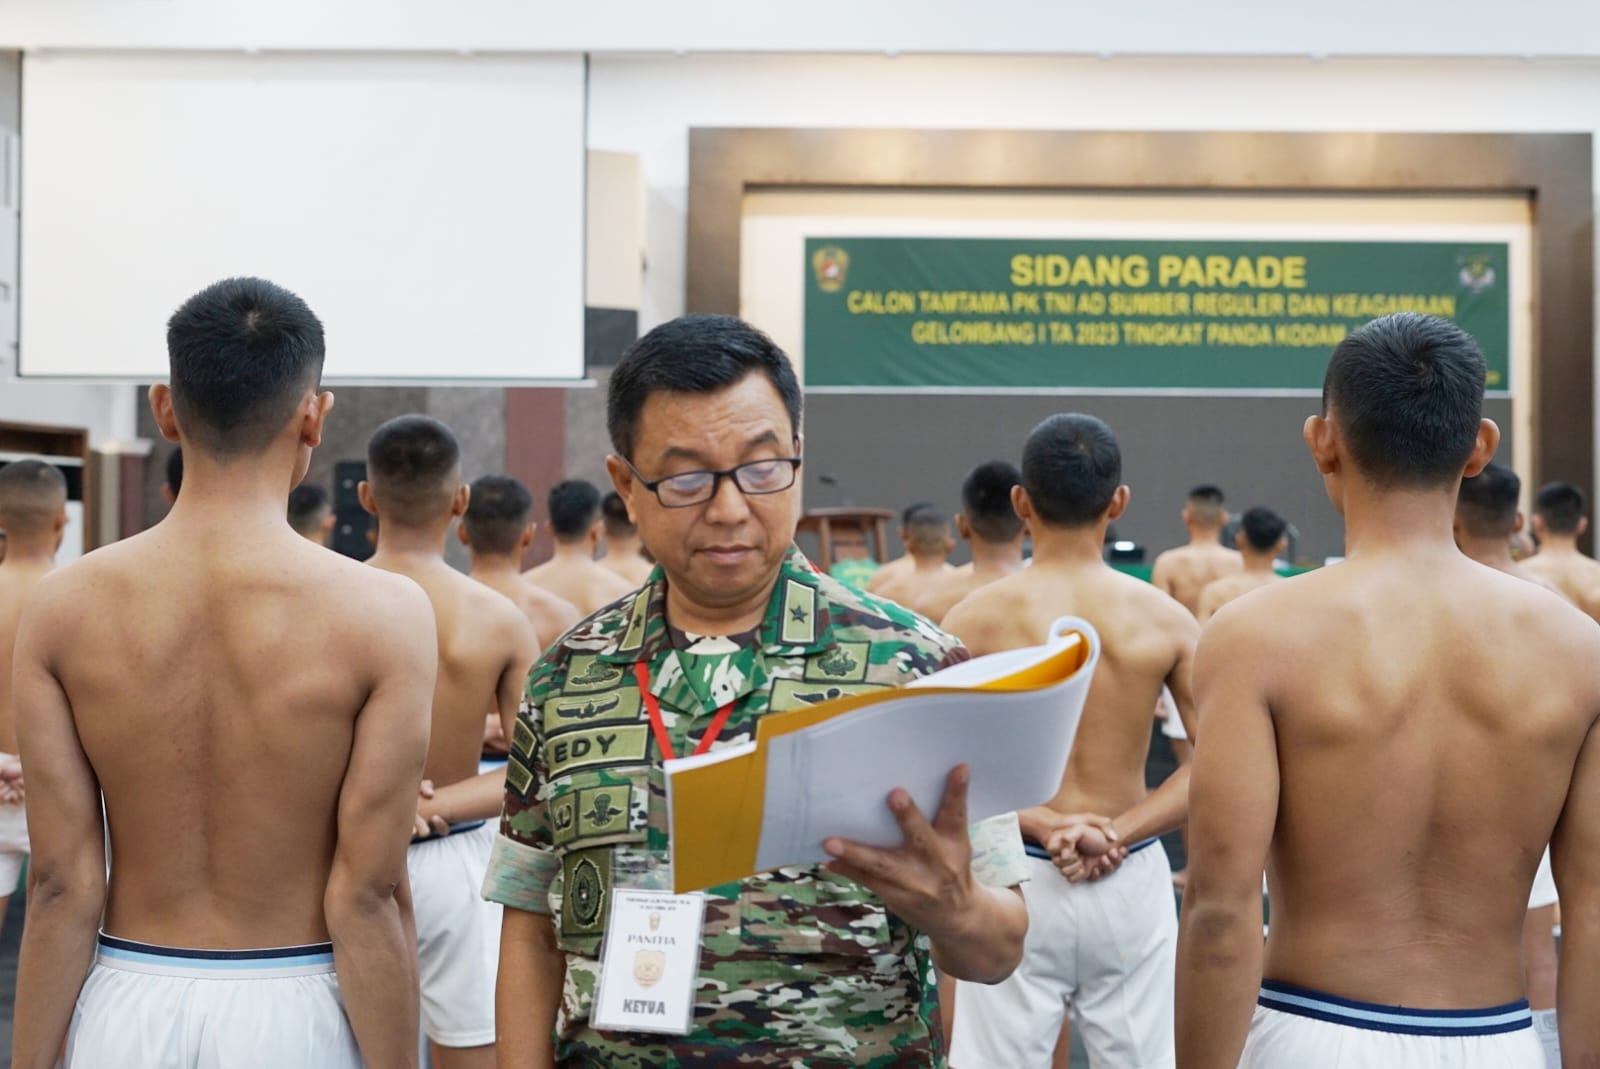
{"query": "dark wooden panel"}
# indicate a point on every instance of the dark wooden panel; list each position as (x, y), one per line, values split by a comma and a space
(536, 425)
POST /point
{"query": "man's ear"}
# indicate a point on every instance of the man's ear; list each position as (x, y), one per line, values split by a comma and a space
(161, 408)
(1021, 504)
(59, 524)
(365, 496)
(461, 533)
(1516, 528)
(1321, 438)
(622, 478)
(1119, 502)
(528, 531)
(1583, 525)
(313, 414)
(1483, 449)
(1241, 541)
(963, 527)
(459, 503)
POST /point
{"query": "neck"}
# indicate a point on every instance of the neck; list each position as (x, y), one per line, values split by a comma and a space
(580, 550)
(249, 492)
(731, 618)
(930, 562)
(1410, 522)
(494, 564)
(1205, 536)
(996, 557)
(1069, 545)
(29, 553)
(1557, 544)
(1494, 552)
(415, 543)
(1258, 562)
(622, 545)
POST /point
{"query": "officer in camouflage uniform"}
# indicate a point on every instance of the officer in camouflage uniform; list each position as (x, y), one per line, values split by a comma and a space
(799, 967)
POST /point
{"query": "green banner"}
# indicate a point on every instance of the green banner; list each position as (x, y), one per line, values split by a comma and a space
(894, 313)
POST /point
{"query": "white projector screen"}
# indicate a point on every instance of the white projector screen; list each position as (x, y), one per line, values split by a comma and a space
(429, 209)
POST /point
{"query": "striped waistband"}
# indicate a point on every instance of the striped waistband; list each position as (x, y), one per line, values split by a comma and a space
(125, 954)
(1303, 1002)
(1033, 849)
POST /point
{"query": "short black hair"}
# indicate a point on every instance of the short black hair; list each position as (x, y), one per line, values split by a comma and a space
(928, 528)
(693, 354)
(1206, 503)
(413, 464)
(1071, 468)
(497, 514)
(1561, 506)
(175, 470)
(986, 501)
(615, 512)
(907, 512)
(308, 504)
(574, 505)
(32, 494)
(1262, 528)
(1487, 505)
(1406, 392)
(242, 352)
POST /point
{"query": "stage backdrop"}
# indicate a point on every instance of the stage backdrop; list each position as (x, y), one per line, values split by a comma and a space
(969, 314)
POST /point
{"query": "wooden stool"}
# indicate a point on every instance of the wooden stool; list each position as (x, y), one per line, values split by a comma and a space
(828, 524)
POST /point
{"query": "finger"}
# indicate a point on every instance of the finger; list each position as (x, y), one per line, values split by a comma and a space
(865, 862)
(425, 788)
(419, 828)
(439, 826)
(952, 815)
(920, 836)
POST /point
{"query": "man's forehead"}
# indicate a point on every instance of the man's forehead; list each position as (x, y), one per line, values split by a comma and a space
(748, 412)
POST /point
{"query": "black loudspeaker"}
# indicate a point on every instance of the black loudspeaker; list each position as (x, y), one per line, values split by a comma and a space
(354, 528)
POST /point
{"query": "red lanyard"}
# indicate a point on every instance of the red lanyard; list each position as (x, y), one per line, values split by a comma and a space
(663, 740)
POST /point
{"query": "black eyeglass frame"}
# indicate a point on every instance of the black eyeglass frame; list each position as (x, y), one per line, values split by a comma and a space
(716, 479)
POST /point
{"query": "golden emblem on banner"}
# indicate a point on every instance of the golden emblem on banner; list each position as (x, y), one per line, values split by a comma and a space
(830, 264)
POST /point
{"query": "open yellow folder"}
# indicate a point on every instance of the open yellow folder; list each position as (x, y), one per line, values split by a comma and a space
(827, 769)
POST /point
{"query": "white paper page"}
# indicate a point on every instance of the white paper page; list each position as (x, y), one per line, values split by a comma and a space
(834, 778)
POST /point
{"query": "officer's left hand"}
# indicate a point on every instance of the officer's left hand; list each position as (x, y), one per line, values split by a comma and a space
(927, 880)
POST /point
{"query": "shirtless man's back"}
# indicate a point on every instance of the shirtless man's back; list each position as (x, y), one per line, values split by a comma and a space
(928, 544)
(1104, 948)
(1187, 570)
(33, 513)
(893, 571)
(485, 648)
(254, 709)
(572, 574)
(1394, 738)
(1558, 523)
(497, 530)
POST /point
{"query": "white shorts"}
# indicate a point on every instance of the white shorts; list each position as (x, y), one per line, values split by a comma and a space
(14, 848)
(1103, 952)
(458, 936)
(1171, 722)
(1544, 884)
(150, 1007)
(1297, 1027)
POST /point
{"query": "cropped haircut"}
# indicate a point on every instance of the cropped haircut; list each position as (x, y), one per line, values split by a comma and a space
(614, 511)
(1071, 468)
(242, 351)
(1561, 506)
(175, 470)
(413, 465)
(1406, 391)
(32, 494)
(1206, 503)
(497, 514)
(1487, 505)
(1262, 528)
(928, 529)
(693, 354)
(986, 501)
(574, 505)
(308, 504)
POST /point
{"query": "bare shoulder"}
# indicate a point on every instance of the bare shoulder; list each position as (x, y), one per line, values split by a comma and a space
(983, 618)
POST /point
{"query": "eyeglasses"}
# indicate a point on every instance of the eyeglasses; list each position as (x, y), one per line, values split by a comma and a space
(697, 487)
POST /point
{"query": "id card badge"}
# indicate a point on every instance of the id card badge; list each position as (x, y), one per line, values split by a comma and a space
(650, 962)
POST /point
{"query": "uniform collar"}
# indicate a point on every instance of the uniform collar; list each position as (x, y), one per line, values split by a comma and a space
(796, 621)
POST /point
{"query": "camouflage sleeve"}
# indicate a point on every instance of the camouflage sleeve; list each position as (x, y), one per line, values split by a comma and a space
(524, 860)
(998, 859)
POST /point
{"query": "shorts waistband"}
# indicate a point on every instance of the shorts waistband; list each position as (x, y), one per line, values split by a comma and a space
(1033, 849)
(131, 956)
(1303, 1002)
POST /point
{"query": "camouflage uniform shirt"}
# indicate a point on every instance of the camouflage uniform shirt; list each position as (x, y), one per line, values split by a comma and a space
(798, 967)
